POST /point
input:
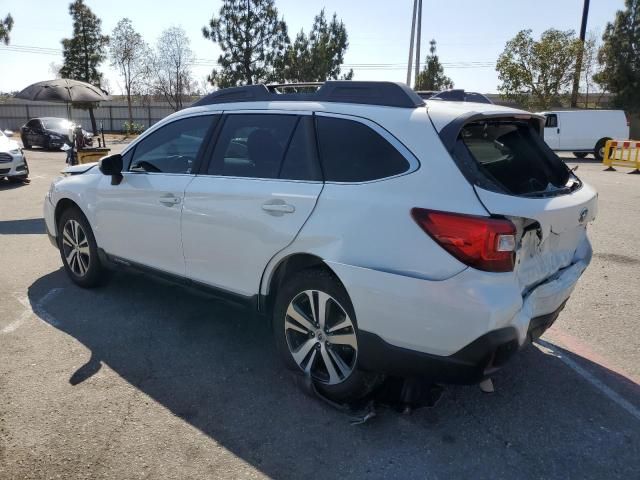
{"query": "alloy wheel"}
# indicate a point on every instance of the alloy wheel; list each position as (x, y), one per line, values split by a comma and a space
(75, 247)
(321, 337)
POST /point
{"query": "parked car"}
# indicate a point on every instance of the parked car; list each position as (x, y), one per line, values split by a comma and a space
(454, 95)
(50, 133)
(13, 164)
(584, 131)
(426, 94)
(377, 236)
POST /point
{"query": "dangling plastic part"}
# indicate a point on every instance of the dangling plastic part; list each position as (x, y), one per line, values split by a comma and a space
(403, 395)
(486, 386)
(357, 416)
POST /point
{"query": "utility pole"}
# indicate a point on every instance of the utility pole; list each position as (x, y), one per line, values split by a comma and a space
(576, 77)
(418, 39)
(413, 31)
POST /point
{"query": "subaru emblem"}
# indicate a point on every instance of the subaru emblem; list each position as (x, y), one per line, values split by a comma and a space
(583, 215)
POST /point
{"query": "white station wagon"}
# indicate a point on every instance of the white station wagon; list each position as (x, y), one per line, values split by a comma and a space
(378, 233)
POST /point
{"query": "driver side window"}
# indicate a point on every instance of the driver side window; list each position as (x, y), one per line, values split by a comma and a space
(172, 148)
(551, 121)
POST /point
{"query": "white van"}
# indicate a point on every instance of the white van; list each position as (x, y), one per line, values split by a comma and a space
(584, 131)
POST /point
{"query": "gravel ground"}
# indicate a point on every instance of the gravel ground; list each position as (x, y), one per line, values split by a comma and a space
(145, 379)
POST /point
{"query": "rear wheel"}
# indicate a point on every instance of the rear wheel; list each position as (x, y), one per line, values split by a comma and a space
(78, 249)
(580, 154)
(316, 333)
(598, 150)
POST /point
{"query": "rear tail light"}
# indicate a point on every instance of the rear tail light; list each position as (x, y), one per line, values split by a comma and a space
(481, 242)
(626, 115)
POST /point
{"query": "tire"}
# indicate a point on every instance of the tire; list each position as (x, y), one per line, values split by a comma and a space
(25, 143)
(580, 154)
(75, 234)
(598, 150)
(341, 380)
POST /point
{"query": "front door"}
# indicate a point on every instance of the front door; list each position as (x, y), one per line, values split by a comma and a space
(253, 197)
(552, 131)
(139, 219)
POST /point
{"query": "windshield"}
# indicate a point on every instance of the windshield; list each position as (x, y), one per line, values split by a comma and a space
(509, 155)
(56, 124)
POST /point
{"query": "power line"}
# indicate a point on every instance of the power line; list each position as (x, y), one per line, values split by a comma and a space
(205, 62)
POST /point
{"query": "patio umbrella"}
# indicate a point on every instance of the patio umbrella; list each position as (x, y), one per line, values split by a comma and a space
(63, 90)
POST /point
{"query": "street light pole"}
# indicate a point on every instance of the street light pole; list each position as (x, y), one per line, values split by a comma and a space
(413, 31)
(418, 39)
(576, 77)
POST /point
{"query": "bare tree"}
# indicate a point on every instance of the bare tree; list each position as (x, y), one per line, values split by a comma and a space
(171, 66)
(589, 65)
(129, 52)
(54, 69)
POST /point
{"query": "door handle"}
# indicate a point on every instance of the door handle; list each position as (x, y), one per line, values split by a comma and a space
(558, 130)
(278, 207)
(169, 200)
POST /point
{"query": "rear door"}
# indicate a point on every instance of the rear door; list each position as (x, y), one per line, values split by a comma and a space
(517, 176)
(259, 187)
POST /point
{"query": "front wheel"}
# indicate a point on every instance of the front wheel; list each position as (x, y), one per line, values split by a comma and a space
(26, 144)
(78, 249)
(316, 333)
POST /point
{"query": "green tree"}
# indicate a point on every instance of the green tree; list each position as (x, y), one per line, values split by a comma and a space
(252, 40)
(85, 50)
(620, 57)
(537, 74)
(129, 52)
(5, 28)
(432, 76)
(318, 56)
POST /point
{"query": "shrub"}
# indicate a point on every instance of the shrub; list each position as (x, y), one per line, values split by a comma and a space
(132, 128)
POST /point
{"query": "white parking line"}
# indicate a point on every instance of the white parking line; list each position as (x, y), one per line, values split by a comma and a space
(37, 308)
(589, 377)
(21, 319)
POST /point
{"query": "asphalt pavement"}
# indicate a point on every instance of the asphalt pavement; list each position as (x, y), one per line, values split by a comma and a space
(145, 379)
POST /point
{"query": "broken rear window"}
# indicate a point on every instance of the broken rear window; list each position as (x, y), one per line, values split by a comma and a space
(509, 155)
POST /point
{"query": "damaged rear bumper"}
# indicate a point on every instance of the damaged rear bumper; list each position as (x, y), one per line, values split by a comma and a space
(476, 361)
(487, 353)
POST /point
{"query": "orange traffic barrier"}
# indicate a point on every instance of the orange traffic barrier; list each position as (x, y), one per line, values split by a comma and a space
(622, 153)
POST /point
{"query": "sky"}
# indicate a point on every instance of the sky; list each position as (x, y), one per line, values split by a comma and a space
(470, 34)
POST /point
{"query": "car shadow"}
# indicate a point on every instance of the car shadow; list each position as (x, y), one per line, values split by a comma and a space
(9, 185)
(214, 366)
(27, 226)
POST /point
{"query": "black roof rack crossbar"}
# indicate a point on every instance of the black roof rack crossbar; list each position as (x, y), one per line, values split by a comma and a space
(387, 94)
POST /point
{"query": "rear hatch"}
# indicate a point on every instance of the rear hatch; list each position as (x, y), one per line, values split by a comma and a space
(515, 175)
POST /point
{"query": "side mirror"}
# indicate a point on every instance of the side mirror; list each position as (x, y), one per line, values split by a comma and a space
(112, 165)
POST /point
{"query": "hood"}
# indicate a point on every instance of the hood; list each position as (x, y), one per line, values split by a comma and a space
(59, 131)
(7, 144)
(78, 169)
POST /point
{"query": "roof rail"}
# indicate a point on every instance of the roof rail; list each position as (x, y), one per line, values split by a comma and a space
(387, 94)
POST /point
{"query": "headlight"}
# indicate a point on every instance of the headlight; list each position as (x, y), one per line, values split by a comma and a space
(15, 151)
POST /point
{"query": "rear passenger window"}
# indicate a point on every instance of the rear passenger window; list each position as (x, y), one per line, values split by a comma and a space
(352, 152)
(300, 162)
(252, 145)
